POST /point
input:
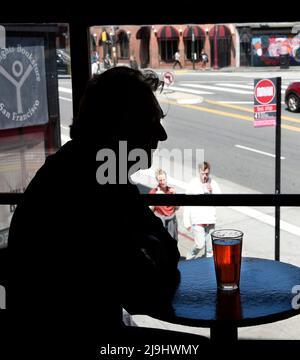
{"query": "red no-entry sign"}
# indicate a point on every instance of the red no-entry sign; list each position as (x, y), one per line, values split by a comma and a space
(265, 91)
(265, 102)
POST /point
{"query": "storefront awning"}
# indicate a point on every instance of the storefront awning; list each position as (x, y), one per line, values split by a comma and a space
(198, 33)
(144, 32)
(168, 33)
(219, 31)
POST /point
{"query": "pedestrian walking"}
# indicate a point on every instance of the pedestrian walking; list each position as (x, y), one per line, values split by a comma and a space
(201, 220)
(96, 68)
(177, 60)
(204, 59)
(133, 63)
(167, 214)
(107, 62)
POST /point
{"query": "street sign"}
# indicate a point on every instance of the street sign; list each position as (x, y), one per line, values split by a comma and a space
(265, 102)
(168, 78)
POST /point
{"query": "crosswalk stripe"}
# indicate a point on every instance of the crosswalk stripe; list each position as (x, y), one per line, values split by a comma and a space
(191, 91)
(218, 88)
(241, 86)
(226, 87)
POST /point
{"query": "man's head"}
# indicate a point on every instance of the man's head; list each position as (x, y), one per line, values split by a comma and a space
(161, 178)
(204, 170)
(119, 105)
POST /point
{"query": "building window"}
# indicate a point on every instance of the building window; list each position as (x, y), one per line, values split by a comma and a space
(122, 45)
(168, 40)
(194, 41)
(220, 45)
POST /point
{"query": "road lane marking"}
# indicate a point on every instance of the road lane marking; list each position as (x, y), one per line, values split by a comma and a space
(227, 114)
(190, 101)
(283, 87)
(212, 111)
(247, 109)
(241, 102)
(236, 102)
(240, 86)
(257, 151)
(65, 90)
(181, 89)
(65, 99)
(217, 88)
(267, 219)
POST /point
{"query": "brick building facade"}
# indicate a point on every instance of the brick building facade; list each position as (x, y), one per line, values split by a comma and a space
(154, 46)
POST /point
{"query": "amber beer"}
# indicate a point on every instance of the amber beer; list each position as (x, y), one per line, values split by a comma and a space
(227, 249)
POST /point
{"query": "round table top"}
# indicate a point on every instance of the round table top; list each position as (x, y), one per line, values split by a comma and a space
(265, 294)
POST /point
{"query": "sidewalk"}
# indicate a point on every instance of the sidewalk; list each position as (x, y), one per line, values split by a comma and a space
(232, 69)
(257, 225)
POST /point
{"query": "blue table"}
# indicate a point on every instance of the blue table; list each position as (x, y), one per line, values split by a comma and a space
(265, 296)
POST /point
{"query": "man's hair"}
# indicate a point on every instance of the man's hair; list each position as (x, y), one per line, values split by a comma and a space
(117, 104)
(159, 172)
(204, 165)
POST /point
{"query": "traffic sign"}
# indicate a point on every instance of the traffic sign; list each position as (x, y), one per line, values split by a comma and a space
(265, 91)
(168, 78)
(265, 102)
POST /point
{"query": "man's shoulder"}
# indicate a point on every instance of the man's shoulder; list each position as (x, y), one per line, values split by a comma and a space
(194, 181)
(216, 186)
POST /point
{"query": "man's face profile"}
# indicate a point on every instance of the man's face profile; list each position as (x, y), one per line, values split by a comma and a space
(204, 175)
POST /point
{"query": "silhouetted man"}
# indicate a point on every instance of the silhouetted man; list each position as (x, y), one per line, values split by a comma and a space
(82, 244)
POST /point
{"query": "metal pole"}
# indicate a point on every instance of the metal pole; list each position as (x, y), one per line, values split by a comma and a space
(278, 166)
(193, 48)
(114, 50)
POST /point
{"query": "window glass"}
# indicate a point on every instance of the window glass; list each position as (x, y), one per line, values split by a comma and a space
(35, 94)
(210, 104)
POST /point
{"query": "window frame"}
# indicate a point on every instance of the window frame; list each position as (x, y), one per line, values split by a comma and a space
(81, 72)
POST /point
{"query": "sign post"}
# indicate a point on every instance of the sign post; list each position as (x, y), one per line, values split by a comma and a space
(168, 78)
(267, 112)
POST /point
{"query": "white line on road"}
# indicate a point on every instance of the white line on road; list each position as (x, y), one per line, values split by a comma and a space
(65, 99)
(236, 102)
(240, 86)
(241, 102)
(198, 92)
(218, 88)
(267, 219)
(257, 151)
(251, 87)
(190, 101)
(65, 90)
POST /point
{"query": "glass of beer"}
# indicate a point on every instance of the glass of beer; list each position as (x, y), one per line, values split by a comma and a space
(227, 249)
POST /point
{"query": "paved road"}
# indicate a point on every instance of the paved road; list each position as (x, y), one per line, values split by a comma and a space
(186, 123)
(213, 112)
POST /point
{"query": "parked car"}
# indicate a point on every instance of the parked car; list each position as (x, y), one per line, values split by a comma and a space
(292, 96)
(63, 62)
